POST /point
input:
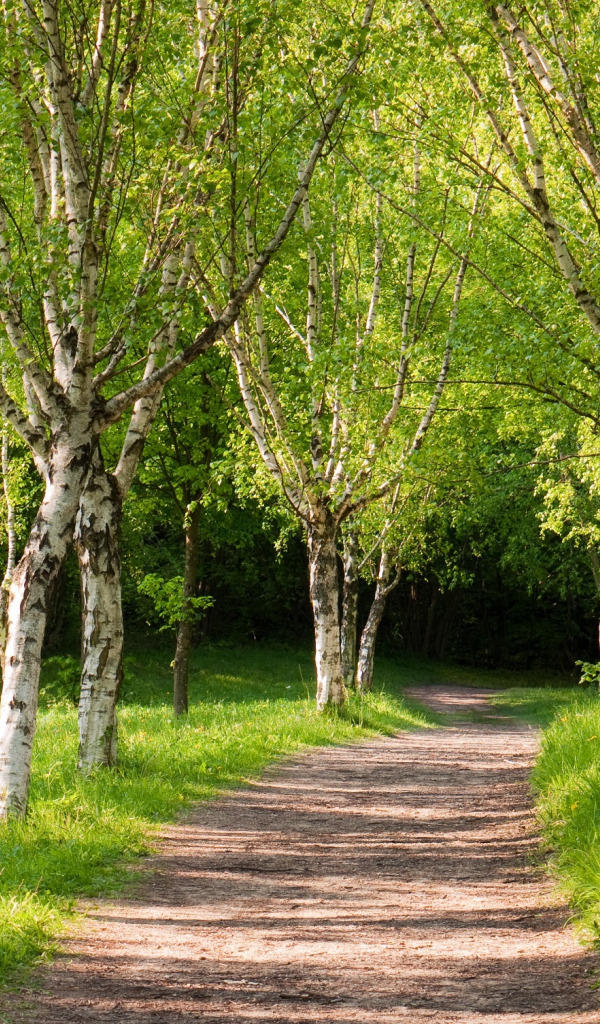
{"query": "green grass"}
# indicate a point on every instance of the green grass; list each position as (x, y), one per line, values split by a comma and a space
(418, 671)
(566, 782)
(538, 705)
(248, 707)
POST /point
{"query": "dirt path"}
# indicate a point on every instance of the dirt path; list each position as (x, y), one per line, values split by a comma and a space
(381, 883)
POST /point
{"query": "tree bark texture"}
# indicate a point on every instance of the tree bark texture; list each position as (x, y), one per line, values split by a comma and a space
(324, 595)
(181, 664)
(73, 187)
(349, 625)
(97, 544)
(366, 653)
(11, 536)
(31, 584)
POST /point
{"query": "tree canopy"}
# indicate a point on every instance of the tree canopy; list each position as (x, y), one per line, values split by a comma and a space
(300, 315)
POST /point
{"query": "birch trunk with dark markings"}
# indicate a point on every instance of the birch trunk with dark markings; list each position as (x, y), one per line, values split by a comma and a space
(97, 546)
(46, 548)
(349, 625)
(368, 639)
(78, 169)
(324, 596)
(147, 397)
(97, 543)
(185, 629)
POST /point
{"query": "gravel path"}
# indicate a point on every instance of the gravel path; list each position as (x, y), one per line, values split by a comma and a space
(381, 884)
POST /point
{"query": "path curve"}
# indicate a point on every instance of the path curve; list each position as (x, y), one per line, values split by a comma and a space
(381, 883)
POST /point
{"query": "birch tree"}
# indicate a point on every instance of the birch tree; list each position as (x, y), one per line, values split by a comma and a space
(394, 549)
(325, 444)
(529, 82)
(102, 613)
(526, 78)
(76, 95)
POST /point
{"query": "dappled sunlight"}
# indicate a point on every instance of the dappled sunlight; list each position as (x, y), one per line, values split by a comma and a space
(82, 833)
(366, 884)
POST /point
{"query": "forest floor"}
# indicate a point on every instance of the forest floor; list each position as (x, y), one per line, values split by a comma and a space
(382, 882)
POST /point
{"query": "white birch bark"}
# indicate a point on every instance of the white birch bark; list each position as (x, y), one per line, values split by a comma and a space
(368, 639)
(349, 624)
(97, 529)
(539, 204)
(324, 596)
(146, 398)
(63, 403)
(98, 548)
(225, 320)
(543, 75)
(11, 542)
(67, 398)
(33, 577)
(97, 545)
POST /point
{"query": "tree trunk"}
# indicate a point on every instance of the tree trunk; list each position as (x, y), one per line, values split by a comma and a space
(433, 603)
(11, 537)
(324, 595)
(97, 545)
(366, 654)
(185, 629)
(349, 610)
(32, 580)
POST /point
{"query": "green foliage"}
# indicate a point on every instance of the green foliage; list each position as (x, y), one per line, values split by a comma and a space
(166, 596)
(248, 707)
(590, 673)
(61, 680)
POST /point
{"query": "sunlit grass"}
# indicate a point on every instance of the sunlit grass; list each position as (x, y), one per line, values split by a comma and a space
(566, 781)
(567, 778)
(248, 708)
(538, 705)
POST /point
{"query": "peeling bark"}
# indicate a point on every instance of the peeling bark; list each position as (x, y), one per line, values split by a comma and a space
(324, 596)
(97, 546)
(33, 577)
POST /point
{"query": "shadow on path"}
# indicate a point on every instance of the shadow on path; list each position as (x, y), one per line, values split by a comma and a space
(379, 883)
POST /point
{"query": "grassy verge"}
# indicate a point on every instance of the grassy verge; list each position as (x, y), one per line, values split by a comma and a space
(248, 707)
(538, 705)
(566, 780)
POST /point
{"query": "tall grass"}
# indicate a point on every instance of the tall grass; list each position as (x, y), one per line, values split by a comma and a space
(248, 707)
(567, 780)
